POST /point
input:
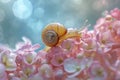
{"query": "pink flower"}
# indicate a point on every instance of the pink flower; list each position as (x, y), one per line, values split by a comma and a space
(29, 58)
(116, 31)
(59, 74)
(68, 45)
(53, 51)
(85, 34)
(71, 65)
(3, 48)
(46, 71)
(26, 46)
(111, 59)
(89, 44)
(8, 59)
(105, 37)
(103, 25)
(74, 67)
(19, 61)
(88, 41)
(28, 70)
(104, 42)
(115, 13)
(71, 47)
(42, 56)
(58, 59)
(97, 72)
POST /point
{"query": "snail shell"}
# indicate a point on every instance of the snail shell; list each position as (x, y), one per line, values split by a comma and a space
(55, 33)
(52, 33)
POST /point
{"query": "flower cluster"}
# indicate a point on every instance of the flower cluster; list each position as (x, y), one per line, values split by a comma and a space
(93, 56)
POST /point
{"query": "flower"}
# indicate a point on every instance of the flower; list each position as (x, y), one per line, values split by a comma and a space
(29, 58)
(28, 70)
(74, 67)
(3, 74)
(97, 72)
(8, 59)
(115, 13)
(40, 58)
(68, 45)
(88, 40)
(116, 31)
(53, 51)
(71, 65)
(71, 47)
(46, 71)
(111, 59)
(26, 46)
(58, 59)
(59, 74)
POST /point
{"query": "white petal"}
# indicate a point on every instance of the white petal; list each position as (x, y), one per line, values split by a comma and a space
(46, 70)
(70, 65)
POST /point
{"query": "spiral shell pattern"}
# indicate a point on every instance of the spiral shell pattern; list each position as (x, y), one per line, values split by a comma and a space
(52, 33)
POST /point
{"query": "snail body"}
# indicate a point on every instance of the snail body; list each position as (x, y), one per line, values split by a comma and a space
(55, 33)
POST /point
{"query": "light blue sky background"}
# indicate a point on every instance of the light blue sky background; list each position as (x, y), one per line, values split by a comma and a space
(20, 18)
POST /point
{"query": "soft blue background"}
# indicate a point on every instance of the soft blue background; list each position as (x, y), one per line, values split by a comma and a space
(71, 13)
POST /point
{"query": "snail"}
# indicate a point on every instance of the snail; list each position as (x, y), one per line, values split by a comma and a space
(55, 33)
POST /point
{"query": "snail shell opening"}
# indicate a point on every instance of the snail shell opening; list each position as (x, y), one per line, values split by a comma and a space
(52, 33)
(50, 38)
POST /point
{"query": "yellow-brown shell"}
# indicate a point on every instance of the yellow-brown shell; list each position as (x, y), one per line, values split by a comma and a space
(55, 33)
(52, 33)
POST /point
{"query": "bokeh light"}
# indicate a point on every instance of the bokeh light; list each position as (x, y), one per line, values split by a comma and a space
(22, 9)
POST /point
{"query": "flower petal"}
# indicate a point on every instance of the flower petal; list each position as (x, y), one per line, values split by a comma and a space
(70, 65)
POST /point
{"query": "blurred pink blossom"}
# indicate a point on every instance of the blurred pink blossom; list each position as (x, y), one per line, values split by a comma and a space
(115, 13)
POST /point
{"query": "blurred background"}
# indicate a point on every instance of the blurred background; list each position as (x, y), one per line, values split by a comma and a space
(27, 18)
